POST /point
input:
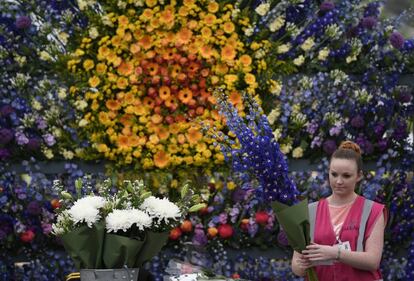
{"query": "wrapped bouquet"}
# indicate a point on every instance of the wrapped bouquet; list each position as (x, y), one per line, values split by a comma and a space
(116, 228)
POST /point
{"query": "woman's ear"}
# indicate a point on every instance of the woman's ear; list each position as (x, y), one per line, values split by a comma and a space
(360, 176)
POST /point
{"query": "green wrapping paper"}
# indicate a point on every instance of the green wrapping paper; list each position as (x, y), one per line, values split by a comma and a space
(154, 241)
(295, 222)
(120, 250)
(85, 245)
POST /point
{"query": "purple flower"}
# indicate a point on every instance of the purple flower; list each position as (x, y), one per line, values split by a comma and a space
(6, 110)
(329, 146)
(282, 238)
(405, 96)
(21, 138)
(369, 22)
(357, 121)
(379, 129)
(327, 6)
(47, 228)
(238, 195)
(6, 135)
(382, 145)
(396, 40)
(4, 154)
(34, 208)
(6, 226)
(41, 123)
(23, 22)
(33, 144)
(223, 218)
(199, 238)
(49, 139)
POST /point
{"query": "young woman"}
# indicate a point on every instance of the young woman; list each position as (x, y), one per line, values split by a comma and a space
(348, 231)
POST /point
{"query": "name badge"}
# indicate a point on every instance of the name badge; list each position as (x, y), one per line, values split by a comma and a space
(345, 246)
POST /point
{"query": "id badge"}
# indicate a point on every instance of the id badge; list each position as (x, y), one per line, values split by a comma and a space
(345, 246)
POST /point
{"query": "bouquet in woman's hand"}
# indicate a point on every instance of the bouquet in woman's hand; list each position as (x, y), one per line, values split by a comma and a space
(116, 227)
(256, 157)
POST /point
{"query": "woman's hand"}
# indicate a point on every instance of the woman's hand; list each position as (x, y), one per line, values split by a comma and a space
(316, 252)
(303, 262)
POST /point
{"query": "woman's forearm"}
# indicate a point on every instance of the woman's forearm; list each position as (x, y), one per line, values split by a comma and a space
(361, 260)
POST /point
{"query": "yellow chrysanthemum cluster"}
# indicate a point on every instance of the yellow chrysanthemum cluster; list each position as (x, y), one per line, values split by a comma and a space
(146, 81)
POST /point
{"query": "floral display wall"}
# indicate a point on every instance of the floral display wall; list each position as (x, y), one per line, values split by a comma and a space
(129, 85)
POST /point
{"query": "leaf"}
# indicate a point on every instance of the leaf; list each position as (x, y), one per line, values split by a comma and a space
(197, 207)
(145, 195)
(66, 195)
(184, 190)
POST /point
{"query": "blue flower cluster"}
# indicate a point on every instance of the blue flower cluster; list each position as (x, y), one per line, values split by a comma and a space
(259, 156)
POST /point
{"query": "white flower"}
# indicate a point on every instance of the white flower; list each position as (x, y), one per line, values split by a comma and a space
(45, 56)
(262, 9)
(93, 32)
(308, 44)
(286, 148)
(63, 36)
(275, 87)
(48, 153)
(86, 210)
(67, 154)
(273, 115)
(124, 219)
(277, 134)
(297, 152)
(81, 104)
(323, 54)
(277, 24)
(283, 48)
(248, 31)
(299, 60)
(162, 209)
(62, 93)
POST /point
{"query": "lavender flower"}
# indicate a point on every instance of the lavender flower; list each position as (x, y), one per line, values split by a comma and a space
(396, 40)
(49, 139)
(23, 22)
(357, 121)
(329, 146)
(6, 135)
(327, 6)
(369, 22)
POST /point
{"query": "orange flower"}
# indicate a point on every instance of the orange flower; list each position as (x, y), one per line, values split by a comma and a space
(103, 52)
(122, 83)
(221, 69)
(134, 48)
(151, 3)
(164, 92)
(156, 119)
(184, 36)
(127, 120)
(171, 102)
(228, 27)
(168, 54)
(175, 70)
(210, 19)
(213, 7)
(228, 53)
(246, 60)
(163, 133)
(123, 142)
(94, 81)
(174, 128)
(235, 98)
(206, 32)
(123, 21)
(149, 102)
(147, 14)
(134, 141)
(193, 135)
(161, 159)
(185, 95)
(125, 68)
(113, 104)
(116, 41)
(152, 69)
(193, 67)
(145, 42)
(154, 23)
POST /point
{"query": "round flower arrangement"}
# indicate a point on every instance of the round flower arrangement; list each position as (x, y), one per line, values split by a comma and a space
(143, 79)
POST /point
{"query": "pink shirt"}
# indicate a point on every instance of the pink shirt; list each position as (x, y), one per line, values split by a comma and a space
(325, 235)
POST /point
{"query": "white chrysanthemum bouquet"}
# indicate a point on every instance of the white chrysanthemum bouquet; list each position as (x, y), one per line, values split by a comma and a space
(116, 227)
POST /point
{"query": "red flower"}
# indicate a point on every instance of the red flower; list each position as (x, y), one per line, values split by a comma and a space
(262, 217)
(175, 233)
(186, 226)
(27, 236)
(225, 231)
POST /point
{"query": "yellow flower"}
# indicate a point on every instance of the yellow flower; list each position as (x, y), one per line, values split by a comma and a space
(88, 64)
(161, 159)
(94, 81)
(297, 152)
(250, 79)
(122, 83)
(228, 27)
(101, 68)
(228, 53)
(213, 7)
(151, 3)
(231, 185)
(103, 148)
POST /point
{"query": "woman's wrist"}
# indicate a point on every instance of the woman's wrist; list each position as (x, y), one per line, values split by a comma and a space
(338, 253)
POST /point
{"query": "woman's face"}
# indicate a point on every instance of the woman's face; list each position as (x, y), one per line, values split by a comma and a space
(343, 176)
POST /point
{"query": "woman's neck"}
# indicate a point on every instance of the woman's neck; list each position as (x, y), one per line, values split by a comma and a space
(337, 200)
